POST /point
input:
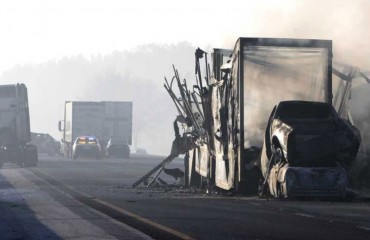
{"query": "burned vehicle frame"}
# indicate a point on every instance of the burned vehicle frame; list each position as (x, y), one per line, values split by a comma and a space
(260, 73)
(224, 116)
(308, 150)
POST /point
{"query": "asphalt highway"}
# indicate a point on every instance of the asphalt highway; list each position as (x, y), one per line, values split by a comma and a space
(170, 212)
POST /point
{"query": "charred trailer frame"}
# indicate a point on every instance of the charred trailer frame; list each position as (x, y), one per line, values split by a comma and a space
(350, 88)
(226, 124)
(258, 68)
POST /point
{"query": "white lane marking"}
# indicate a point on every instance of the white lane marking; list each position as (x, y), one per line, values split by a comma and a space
(256, 204)
(304, 215)
(364, 228)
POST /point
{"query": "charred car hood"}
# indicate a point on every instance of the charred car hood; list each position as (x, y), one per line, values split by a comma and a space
(317, 143)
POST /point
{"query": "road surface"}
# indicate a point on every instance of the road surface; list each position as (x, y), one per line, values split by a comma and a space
(98, 196)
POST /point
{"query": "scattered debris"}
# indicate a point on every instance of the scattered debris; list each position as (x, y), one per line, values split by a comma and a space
(176, 172)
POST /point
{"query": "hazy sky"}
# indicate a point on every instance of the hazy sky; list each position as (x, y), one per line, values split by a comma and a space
(34, 31)
(93, 49)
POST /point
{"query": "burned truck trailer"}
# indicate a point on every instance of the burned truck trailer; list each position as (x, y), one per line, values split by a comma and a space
(225, 115)
(260, 74)
(15, 135)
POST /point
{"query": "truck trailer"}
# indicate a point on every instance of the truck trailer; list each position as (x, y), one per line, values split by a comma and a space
(227, 120)
(104, 120)
(256, 75)
(15, 135)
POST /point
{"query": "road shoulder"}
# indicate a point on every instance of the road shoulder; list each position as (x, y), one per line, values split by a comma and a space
(33, 209)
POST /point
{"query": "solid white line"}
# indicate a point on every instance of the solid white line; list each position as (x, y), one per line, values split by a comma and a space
(364, 228)
(304, 215)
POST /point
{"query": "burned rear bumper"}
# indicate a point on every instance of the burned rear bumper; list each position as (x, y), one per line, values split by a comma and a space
(313, 182)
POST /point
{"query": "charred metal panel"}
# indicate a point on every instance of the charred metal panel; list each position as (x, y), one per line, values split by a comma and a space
(202, 160)
(221, 172)
(220, 57)
(191, 163)
(226, 120)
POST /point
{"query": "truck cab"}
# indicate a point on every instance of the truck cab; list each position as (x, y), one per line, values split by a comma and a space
(15, 135)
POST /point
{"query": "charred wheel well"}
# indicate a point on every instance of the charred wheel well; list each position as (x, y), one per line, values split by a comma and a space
(275, 143)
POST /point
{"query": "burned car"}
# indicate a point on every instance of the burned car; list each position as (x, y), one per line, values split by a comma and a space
(307, 150)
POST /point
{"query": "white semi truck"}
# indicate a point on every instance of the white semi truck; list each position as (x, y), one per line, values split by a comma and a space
(104, 120)
(15, 135)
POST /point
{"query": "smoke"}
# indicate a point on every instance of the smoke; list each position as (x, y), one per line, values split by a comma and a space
(136, 76)
(359, 106)
(345, 22)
